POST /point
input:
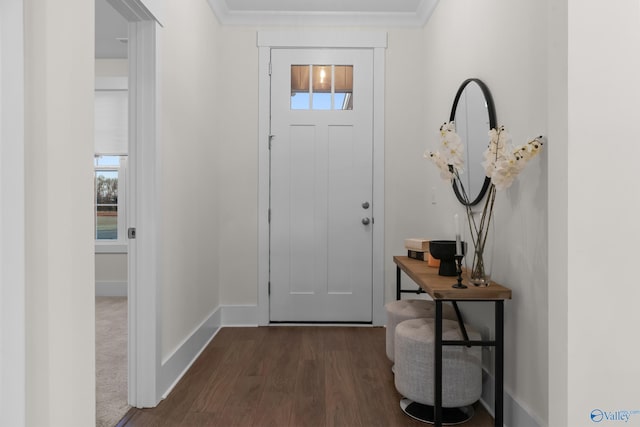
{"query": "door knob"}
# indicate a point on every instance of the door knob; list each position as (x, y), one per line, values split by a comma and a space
(365, 205)
(366, 221)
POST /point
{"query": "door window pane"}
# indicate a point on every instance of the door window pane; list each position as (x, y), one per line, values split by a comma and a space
(321, 101)
(322, 87)
(300, 101)
(343, 87)
(322, 78)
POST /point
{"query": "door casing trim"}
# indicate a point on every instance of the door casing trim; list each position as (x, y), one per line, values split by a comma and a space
(268, 40)
(143, 211)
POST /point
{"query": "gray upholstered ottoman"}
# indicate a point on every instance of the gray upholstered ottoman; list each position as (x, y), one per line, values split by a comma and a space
(414, 367)
(401, 310)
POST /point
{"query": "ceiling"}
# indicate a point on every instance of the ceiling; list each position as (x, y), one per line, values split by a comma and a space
(323, 12)
(110, 26)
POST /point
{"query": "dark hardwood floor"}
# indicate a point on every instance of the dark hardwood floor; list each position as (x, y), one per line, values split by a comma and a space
(287, 376)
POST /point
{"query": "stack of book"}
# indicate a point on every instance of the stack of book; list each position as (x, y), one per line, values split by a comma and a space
(419, 249)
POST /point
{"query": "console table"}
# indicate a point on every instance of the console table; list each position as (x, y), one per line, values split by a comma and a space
(440, 289)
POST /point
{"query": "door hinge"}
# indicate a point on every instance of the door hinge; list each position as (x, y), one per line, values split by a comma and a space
(271, 136)
(131, 233)
(269, 68)
(269, 216)
(269, 289)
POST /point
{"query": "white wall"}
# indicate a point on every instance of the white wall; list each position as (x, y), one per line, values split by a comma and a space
(504, 44)
(59, 73)
(112, 67)
(603, 231)
(557, 153)
(238, 109)
(188, 146)
(12, 221)
(111, 271)
(407, 192)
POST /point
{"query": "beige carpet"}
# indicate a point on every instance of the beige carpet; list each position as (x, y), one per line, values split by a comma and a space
(111, 360)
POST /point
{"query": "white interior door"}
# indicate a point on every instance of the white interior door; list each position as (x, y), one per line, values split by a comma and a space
(321, 185)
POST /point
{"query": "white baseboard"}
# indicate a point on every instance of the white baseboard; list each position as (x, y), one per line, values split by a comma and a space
(106, 288)
(176, 365)
(515, 414)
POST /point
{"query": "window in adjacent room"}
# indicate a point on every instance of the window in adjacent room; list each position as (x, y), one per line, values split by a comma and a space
(110, 164)
(109, 198)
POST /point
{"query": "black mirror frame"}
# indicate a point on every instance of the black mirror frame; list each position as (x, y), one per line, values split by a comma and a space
(491, 109)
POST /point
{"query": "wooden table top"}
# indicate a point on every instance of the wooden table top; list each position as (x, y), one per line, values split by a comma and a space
(440, 287)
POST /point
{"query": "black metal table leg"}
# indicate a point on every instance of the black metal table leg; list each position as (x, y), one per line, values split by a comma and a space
(461, 325)
(499, 364)
(398, 278)
(437, 381)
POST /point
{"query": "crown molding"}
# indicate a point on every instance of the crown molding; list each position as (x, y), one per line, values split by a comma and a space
(417, 18)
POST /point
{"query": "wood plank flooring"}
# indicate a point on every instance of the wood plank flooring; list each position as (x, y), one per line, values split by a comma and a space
(287, 376)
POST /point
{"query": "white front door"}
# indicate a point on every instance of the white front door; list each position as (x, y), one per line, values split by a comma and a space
(321, 185)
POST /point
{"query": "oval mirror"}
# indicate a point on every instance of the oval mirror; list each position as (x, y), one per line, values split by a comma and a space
(474, 114)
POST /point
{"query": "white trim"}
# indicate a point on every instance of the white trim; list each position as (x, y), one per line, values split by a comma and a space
(322, 39)
(379, 315)
(111, 288)
(136, 10)
(144, 214)
(261, 18)
(12, 217)
(266, 40)
(264, 91)
(175, 366)
(515, 413)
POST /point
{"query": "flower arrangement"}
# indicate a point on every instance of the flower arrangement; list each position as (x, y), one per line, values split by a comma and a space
(502, 163)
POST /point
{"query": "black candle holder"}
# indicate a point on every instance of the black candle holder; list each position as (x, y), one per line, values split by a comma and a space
(459, 285)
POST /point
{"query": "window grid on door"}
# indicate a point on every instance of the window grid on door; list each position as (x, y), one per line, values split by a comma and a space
(322, 87)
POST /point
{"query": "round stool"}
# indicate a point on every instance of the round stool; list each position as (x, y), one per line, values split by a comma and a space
(401, 310)
(414, 370)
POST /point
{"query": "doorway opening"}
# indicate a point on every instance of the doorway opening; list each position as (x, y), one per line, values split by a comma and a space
(133, 175)
(111, 146)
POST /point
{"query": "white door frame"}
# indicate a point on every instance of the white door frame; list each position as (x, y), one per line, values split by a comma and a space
(143, 213)
(12, 217)
(267, 40)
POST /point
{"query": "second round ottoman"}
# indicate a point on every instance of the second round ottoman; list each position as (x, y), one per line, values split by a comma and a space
(414, 364)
